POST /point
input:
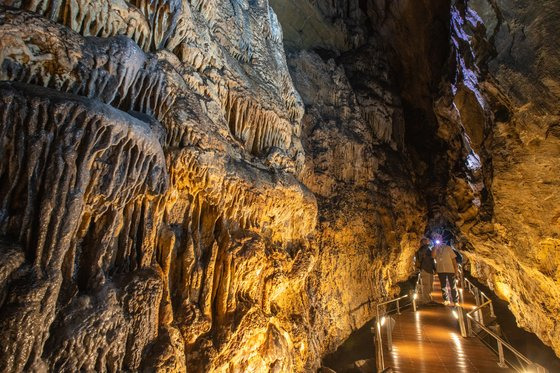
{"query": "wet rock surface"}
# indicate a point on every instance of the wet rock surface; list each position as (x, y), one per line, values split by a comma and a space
(179, 192)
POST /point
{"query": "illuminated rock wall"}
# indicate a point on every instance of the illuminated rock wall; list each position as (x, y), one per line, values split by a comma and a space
(370, 217)
(179, 193)
(165, 203)
(151, 215)
(495, 153)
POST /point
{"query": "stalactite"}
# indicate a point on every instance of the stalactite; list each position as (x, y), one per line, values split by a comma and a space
(127, 79)
(162, 16)
(103, 18)
(67, 124)
(156, 202)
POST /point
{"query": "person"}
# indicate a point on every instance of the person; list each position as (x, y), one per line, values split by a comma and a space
(447, 270)
(425, 264)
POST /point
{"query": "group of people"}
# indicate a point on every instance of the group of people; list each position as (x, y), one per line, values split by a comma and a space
(437, 257)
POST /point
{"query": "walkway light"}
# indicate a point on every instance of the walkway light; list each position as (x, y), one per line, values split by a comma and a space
(415, 296)
(455, 314)
(383, 321)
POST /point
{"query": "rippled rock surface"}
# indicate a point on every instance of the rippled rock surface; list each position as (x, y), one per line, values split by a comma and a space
(184, 187)
(158, 209)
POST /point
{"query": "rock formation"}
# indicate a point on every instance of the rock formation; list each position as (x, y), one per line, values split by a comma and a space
(150, 207)
(180, 192)
(516, 241)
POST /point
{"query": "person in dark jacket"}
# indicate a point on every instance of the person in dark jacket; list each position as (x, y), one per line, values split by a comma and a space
(425, 264)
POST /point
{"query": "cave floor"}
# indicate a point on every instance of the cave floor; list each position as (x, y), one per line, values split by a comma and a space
(430, 341)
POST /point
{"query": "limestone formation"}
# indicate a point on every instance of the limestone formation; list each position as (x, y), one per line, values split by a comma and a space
(522, 148)
(149, 197)
(180, 192)
(369, 214)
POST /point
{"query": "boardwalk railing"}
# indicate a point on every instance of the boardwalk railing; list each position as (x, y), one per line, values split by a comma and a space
(383, 318)
(476, 317)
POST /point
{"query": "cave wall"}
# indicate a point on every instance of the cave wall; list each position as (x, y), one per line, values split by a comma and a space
(151, 214)
(166, 203)
(180, 192)
(479, 92)
(370, 216)
(516, 246)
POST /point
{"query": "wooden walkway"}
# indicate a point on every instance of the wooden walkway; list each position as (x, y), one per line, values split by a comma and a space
(430, 341)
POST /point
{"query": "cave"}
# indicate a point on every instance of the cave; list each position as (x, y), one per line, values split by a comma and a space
(236, 185)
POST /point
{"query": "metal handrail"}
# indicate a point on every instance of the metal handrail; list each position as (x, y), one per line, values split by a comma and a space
(479, 297)
(392, 300)
(380, 321)
(481, 300)
(501, 343)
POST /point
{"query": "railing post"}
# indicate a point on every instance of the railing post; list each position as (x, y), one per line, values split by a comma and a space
(462, 321)
(414, 296)
(380, 347)
(476, 297)
(502, 362)
(389, 324)
(398, 307)
(420, 284)
(492, 314)
(376, 343)
(479, 313)
(379, 344)
(499, 330)
(470, 331)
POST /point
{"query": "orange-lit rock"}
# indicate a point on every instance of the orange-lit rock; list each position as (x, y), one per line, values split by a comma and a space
(157, 195)
(178, 192)
(370, 218)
